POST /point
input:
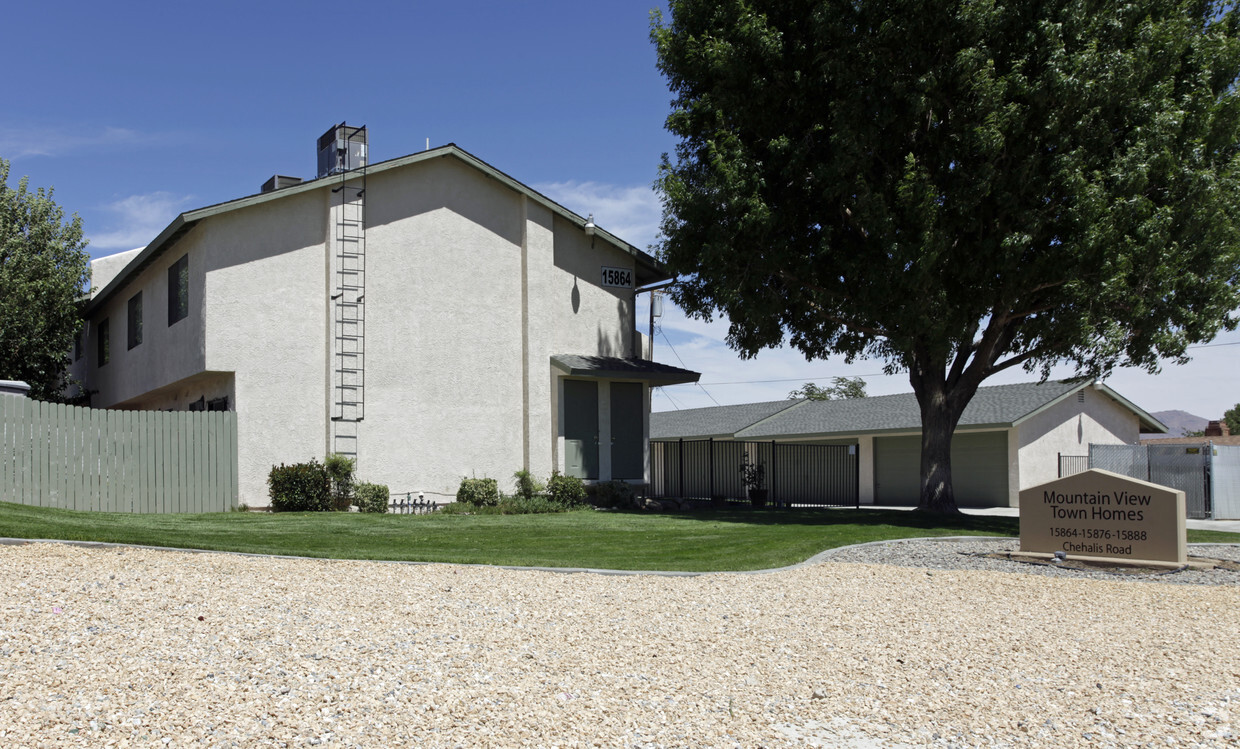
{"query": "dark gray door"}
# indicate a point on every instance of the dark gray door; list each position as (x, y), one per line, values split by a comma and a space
(627, 409)
(581, 429)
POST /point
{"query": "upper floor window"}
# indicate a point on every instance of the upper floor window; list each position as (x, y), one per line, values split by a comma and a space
(135, 320)
(77, 346)
(103, 340)
(178, 290)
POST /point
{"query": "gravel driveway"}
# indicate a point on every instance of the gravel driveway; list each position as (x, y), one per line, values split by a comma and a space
(129, 647)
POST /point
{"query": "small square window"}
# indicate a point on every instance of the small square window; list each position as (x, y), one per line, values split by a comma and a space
(103, 343)
(135, 320)
(218, 404)
(178, 290)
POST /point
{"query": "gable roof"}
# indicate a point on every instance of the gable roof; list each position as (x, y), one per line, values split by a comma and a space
(653, 270)
(714, 421)
(994, 407)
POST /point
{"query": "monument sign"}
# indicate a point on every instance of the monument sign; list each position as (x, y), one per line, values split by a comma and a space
(1100, 514)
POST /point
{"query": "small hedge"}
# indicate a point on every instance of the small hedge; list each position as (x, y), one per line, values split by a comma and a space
(301, 487)
(371, 497)
(479, 492)
(568, 491)
(613, 493)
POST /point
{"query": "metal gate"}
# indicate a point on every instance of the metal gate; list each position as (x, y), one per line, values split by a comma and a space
(1183, 467)
(1225, 482)
(796, 475)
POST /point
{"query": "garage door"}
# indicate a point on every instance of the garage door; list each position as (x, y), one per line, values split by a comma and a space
(979, 469)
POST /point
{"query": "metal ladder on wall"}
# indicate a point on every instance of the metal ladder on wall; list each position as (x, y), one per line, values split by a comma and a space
(349, 302)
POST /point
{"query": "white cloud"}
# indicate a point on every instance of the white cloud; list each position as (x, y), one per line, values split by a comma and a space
(137, 219)
(25, 141)
(630, 213)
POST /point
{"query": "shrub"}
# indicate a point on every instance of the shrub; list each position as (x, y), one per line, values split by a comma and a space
(528, 487)
(480, 492)
(301, 487)
(614, 494)
(340, 471)
(568, 491)
(372, 497)
(536, 505)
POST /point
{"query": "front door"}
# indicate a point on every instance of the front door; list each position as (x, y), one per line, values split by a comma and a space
(627, 410)
(581, 428)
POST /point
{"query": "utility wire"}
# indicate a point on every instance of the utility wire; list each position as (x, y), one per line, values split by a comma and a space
(682, 363)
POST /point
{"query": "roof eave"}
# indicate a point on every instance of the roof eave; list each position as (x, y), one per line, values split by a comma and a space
(166, 238)
(650, 270)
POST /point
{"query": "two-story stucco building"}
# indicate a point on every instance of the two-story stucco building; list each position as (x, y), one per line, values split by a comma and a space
(429, 314)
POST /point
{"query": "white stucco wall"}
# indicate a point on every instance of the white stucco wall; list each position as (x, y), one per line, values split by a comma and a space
(1068, 427)
(104, 269)
(168, 353)
(264, 320)
(471, 288)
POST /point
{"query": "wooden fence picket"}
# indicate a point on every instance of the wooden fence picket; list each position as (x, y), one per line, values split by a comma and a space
(54, 455)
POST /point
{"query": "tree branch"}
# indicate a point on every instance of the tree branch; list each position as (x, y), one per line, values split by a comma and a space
(823, 313)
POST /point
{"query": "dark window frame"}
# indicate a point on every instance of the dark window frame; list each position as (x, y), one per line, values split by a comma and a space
(178, 290)
(103, 342)
(134, 320)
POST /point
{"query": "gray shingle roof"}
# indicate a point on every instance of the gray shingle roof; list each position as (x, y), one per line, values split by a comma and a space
(999, 405)
(716, 421)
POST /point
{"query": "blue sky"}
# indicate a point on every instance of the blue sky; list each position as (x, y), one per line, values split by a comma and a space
(135, 112)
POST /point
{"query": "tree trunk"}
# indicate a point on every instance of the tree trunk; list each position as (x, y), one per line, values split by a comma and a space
(937, 426)
(942, 401)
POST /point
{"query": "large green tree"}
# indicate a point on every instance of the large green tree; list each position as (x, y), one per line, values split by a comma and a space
(43, 272)
(957, 188)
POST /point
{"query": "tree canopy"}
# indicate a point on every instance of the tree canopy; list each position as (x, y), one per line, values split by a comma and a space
(43, 272)
(956, 188)
(839, 389)
(1232, 419)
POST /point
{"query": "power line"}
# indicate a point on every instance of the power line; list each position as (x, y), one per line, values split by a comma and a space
(790, 379)
(682, 364)
(1216, 345)
(811, 378)
(659, 390)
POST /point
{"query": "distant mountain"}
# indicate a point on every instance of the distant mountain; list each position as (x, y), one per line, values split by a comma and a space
(1179, 423)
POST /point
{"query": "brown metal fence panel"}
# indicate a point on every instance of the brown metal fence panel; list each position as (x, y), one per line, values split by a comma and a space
(795, 475)
(52, 455)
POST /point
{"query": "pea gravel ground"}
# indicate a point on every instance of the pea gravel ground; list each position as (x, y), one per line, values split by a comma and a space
(135, 648)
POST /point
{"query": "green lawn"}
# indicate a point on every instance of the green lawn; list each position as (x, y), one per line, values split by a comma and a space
(738, 539)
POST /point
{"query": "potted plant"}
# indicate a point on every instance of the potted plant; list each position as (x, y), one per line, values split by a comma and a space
(752, 475)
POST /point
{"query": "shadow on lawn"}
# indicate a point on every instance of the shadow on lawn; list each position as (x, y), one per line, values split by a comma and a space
(995, 525)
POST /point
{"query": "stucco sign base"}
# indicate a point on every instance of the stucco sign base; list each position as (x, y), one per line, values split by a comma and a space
(1102, 515)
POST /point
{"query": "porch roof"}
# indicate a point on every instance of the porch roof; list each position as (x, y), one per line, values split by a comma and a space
(616, 368)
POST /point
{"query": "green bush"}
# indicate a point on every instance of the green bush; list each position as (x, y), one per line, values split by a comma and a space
(536, 505)
(569, 491)
(528, 487)
(372, 497)
(301, 487)
(340, 470)
(613, 494)
(480, 492)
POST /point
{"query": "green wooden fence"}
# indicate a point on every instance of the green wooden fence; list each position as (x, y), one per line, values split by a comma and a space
(53, 455)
